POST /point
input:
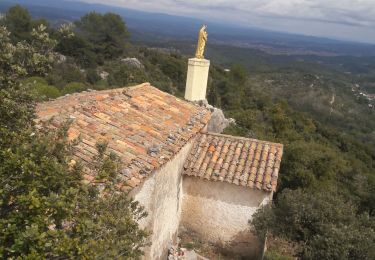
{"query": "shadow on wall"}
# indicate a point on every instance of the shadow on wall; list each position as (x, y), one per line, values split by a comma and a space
(229, 193)
(242, 246)
(220, 212)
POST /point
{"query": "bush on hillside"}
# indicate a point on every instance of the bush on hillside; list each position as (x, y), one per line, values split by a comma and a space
(41, 89)
(325, 224)
(45, 92)
(121, 75)
(65, 73)
(73, 87)
(92, 76)
(107, 32)
(34, 81)
(46, 210)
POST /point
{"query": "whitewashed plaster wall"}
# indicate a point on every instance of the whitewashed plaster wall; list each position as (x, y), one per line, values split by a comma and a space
(161, 195)
(219, 212)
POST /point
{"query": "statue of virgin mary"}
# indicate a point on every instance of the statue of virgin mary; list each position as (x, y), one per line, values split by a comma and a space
(202, 39)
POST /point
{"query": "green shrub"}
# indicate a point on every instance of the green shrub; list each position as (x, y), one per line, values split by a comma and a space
(46, 211)
(322, 221)
(92, 76)
(47, 91)
(65, 73)
(101, 85)
(273, 255)
(124, 75)
(35, 81)
(73, 87)
(41, 89)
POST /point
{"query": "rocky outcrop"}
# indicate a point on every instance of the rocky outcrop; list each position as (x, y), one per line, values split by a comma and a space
(103, 74)
(133, 62)
(218, 121)
(60, 58)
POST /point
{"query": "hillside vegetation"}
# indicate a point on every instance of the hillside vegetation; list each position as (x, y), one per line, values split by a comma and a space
(47, 211)
(325, 203)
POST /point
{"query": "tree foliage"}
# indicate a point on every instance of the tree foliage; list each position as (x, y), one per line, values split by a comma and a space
(47, 212)
(19, 22)
(107, 32)
(318, 158)
(40, 89)
(73, 87)
(327, 225)
(80, 49)
(17, 61)
(46, 209)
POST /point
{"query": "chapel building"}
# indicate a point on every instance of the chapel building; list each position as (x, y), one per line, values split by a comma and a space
(184, 176)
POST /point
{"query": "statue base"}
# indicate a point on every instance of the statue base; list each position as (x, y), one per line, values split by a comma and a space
(197, 77)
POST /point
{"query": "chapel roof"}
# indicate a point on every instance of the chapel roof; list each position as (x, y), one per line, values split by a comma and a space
(236, 160)
(144, 126)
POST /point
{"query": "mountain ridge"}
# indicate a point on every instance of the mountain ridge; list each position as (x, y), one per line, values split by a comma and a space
(166, 25)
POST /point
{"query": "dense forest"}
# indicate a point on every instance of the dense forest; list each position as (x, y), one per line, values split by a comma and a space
(324, 207)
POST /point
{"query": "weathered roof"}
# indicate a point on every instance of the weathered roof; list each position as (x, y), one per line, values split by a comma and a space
(143, 125)
(241, 161)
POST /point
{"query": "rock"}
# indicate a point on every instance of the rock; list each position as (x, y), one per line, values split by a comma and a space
(125, 172)
(203, 103)
(170, 141)
(103, 74)
(154, 150)
(134, 62)
(100, 186)
(60, 58)
(218, 122)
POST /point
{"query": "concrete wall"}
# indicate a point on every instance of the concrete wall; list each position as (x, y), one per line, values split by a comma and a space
(161, 195)
(220, 212)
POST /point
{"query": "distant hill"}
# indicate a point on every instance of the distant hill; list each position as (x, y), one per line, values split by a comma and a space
(159, 26)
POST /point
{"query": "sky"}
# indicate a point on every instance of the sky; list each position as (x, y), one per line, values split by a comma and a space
(338, 19)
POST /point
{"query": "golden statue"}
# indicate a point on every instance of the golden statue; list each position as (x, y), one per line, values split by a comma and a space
(202, 39)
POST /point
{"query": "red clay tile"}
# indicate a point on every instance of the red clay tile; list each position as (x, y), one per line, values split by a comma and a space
(132, 120)
(241, 161)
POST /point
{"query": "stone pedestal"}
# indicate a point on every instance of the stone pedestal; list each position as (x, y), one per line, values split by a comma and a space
(197, 76)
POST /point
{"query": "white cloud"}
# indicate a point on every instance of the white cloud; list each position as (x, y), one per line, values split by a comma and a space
(355, 15)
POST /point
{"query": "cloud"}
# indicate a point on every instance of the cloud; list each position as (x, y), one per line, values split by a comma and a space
(269, 13)
(355, 12)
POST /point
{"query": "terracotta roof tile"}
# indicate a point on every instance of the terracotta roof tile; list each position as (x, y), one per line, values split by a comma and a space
(143, 125)
(241, 161)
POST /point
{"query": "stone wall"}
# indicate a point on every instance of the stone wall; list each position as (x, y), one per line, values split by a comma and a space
(220, 212)
(161, 195)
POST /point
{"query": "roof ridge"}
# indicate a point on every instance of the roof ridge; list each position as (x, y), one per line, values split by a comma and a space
(243, 138)
(104, 91)
(145, 84)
